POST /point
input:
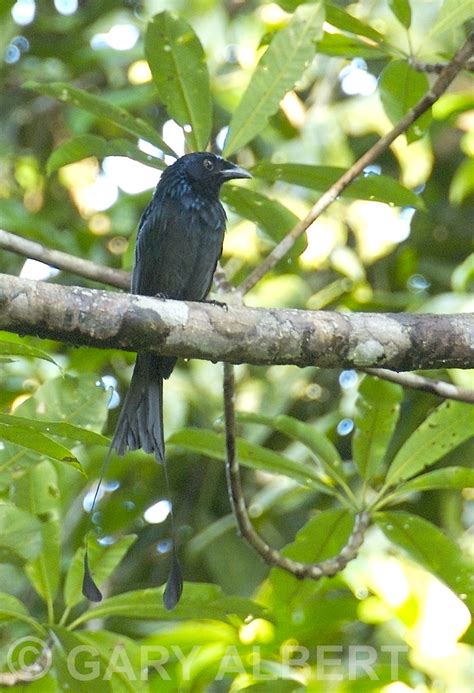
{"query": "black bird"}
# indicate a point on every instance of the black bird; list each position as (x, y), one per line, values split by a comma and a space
(179, 242)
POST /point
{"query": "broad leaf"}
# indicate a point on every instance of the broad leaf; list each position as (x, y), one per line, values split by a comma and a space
(322, 537)
(371, 187)
(378, 408)
(449, 478)
(279, 68)
(77, 665)
(249, 454)
(430, 547)
(199, 600)
(122, 657)
(39, 443)
(402, 11)
(56, 428)
(79, 403)
(178, 66)
(307, 434)
(270, 215)
(102, 561)
(452, 15)
(76, 404)
(20, 535)
(11, 607)
(349, 47)
(401, 87)
(443, 430)
(37, 492)
(341, 19)
(19, 349)
(44, 571)
(91, 145)
(101, 109)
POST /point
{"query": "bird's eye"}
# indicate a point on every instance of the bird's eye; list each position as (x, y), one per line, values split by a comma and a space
(208, 164)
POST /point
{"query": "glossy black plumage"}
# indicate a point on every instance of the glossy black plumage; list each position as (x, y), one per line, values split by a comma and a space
(178, 245)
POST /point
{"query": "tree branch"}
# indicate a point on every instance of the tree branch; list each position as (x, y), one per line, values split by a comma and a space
(436, 387)
(436, 68)
(315, 571)
(64, 261)
(438, 88)
(400, 341)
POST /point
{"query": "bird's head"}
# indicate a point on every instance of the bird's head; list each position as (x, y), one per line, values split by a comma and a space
(206, 171)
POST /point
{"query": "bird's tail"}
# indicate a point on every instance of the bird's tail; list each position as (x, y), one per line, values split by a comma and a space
(140, 423)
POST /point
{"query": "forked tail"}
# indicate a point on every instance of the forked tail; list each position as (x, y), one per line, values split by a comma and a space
(140, 423)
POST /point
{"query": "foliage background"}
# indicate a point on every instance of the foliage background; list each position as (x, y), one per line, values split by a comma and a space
(360, 255)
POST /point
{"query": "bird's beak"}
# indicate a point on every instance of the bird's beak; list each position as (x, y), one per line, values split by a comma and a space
(231, 171)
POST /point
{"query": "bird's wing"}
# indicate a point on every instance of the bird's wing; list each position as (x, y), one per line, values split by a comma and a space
(157, 250)
(177, 249)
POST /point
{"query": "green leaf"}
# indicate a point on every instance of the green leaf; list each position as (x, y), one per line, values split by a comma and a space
(461, 280)
(178, 65)
(101, 109)
(443, 430)
(307, 434)
(12, 609)
(452, 15)
(341, 19)
(279, 68)
(20, 535)
(39, 443)
(371, 187)
(378, 409)
(322, 537)
(80, 402)
(462, 183)
(401, 87)
(121, 657)
(251, 455)
(44, 571)
(402, 11)
(75, 402)
(349, 47)
(17, 349)
(186, 634)
(199, 600)
(90, 145)
(270, 215)
(450, 478)
(56, 428)
(77, 664)
(430, 547)
(37, 491)
(102, 561)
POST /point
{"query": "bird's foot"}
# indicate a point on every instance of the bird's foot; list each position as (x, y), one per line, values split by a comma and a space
(213, 302)
(231, 298)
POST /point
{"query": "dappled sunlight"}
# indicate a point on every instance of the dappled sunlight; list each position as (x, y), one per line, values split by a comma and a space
(120, 37)
(139, 72)
(130, 176)
(377, 227)
(323, 236)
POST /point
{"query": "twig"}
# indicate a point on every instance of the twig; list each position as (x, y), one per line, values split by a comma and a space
(438, 88)
(31, 672)
(64, 261)
(315, 571)
(436, 68)
(418, 382)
